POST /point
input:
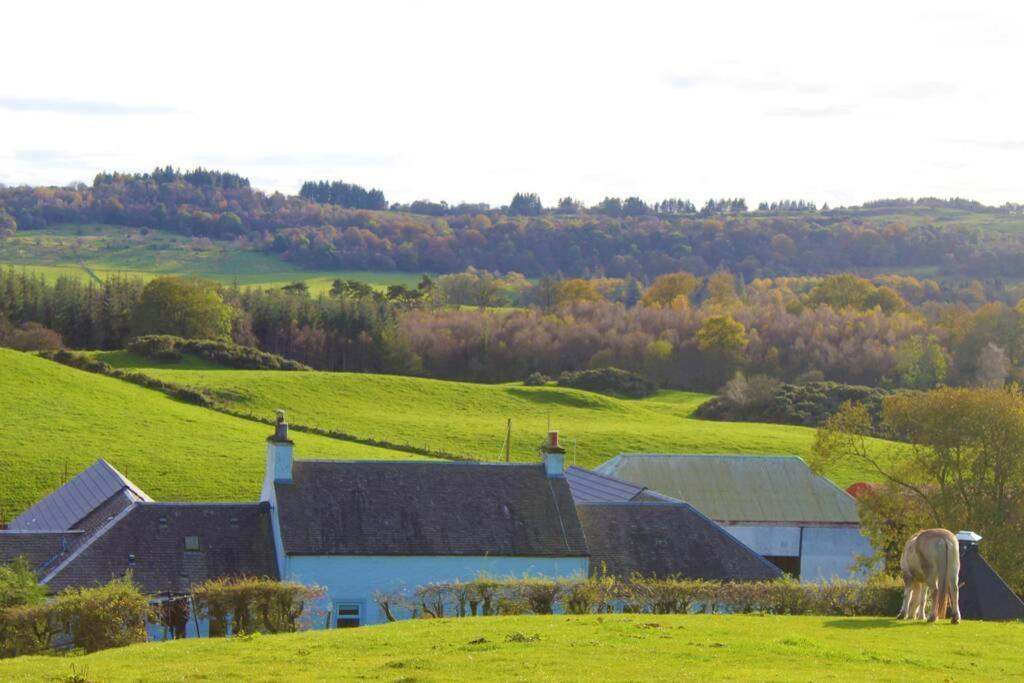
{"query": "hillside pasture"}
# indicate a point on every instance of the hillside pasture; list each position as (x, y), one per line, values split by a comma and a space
(609, 647)
(469, 420)
(97, 251)
(57, 418)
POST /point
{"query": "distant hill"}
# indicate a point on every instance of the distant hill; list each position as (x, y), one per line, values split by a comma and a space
(469, 420)
(55, 417)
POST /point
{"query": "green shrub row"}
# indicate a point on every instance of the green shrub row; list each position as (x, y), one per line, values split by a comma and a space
(169, 349)
(86, 362)
(759, 399)
(879, 596)
(89, 618)
(608, 381)
(253, 605)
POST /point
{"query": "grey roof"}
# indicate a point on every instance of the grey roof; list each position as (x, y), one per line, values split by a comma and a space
(427, 508)
(588, 486)
(75, 500)
(666, 539)
(38, 547)
(740, 488)
(149, 539)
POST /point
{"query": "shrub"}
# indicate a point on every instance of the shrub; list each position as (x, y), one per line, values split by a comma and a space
(167, 348)
(18, 584)
(253, 604)
(93, 618)
(763, 399)
(32, 337)
(609, 381)
(536, 379)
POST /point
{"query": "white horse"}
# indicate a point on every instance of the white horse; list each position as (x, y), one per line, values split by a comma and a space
(931, 561)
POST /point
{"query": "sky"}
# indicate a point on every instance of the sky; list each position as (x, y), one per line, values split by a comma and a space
(474, 101)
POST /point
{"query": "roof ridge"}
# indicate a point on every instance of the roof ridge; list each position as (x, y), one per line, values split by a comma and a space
(109, 524)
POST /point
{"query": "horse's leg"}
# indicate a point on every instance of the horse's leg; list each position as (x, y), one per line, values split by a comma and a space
(917, 603)
(908, 592)
(934, 586)
(954, 600)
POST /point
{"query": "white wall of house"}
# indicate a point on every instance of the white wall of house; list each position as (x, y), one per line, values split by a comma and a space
(825, 552)
(353, 580)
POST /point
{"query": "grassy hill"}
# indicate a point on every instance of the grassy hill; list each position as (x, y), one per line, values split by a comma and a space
(610, 647)
(55, 416)
(99, 250)
(469, 419)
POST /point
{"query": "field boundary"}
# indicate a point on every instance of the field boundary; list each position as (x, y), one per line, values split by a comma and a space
(85, 363)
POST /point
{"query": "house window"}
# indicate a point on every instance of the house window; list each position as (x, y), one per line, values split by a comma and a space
(347, 614)
(192, 543)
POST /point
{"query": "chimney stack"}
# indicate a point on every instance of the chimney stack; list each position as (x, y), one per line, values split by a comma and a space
(553, 456)
(279, 452)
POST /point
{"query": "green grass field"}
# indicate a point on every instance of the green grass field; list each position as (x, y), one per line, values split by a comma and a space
(54, 416)
(638, 647)
(470, 419)
(104, 250)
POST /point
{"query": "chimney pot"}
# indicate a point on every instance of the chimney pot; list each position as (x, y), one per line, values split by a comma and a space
(553, 456)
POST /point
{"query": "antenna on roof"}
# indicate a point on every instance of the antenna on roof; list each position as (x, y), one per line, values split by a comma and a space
(508, 441)
(64, 476)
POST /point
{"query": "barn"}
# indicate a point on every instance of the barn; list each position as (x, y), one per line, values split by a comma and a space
(802, 523)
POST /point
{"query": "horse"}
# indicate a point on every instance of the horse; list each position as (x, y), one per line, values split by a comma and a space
(931, 561)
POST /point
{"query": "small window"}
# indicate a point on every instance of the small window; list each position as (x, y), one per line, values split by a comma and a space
(347, 614)
(192, 543)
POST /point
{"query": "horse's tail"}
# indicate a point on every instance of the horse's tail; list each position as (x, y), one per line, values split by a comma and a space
(945, 580)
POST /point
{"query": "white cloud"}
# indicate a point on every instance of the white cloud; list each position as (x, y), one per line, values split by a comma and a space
(475, 101)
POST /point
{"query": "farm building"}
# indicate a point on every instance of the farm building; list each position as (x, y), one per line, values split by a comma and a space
(633, 530)
(775, 505)
(359, 528)
(99, 525)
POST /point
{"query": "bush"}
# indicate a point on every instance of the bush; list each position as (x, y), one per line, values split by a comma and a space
(93, 618)
(609, 381)
(167, 348)
(536, 379)
(254, 605)
(763, 399)
(31, 337)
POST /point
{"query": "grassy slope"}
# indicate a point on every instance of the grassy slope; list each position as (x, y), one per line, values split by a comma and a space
(107, 249)
(54, 415)
(469, 419)
(619, 647)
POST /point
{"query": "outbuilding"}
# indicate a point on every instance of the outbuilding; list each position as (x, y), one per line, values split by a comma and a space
(801, 522)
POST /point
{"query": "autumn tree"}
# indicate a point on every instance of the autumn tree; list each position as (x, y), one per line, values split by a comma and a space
(187, 308)
(8, 226)
(669, 288)
(721, 340)
(960, 466)
(577, 289)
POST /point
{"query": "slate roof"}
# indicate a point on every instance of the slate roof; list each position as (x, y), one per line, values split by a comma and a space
(588, 486)
(427, 508)
(983, 593)
(97, 485)
(149, 539)
(739, 488)
(666, 539)
(38, 547)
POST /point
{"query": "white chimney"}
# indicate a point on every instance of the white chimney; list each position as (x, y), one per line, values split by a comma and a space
(553, 456)
(279, 453)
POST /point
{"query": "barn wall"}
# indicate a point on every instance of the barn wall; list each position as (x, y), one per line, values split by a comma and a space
(768, 540)
(830, 551)
(354, 579)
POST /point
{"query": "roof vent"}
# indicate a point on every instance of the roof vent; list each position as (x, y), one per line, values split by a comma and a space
(967, 537)
(192, 543)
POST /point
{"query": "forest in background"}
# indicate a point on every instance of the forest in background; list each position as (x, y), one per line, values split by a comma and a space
(344, 226)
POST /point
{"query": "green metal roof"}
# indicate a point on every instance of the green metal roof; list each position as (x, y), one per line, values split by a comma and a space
(739, 488)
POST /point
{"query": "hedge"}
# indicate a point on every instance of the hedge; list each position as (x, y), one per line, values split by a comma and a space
(609, 381)
(485, 596)
(92, 618)
(169, 349)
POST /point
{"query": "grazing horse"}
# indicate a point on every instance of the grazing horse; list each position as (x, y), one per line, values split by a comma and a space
(931, 561)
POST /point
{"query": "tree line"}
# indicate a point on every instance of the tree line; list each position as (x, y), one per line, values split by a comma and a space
(680, 331)
(330, 225)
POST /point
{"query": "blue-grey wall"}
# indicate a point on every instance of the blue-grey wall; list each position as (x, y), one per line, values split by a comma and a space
(354, 579)
(825, 552)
